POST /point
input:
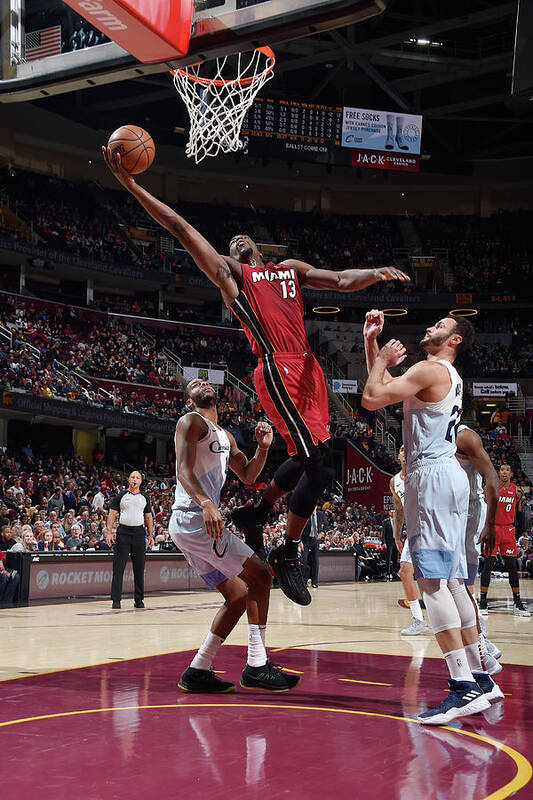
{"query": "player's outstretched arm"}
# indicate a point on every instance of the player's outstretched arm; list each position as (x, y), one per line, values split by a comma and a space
(347, 280)
(374, 321)
(189, 430)
(249, 470)
(223, 272)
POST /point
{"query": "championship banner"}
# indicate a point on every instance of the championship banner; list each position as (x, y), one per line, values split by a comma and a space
(493, 389)
(215, 376)
(344, 386)
(364, 482)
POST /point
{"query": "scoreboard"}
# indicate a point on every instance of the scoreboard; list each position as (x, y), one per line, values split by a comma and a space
(291, 129)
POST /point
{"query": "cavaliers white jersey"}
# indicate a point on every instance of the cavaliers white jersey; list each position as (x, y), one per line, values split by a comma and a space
(210, 467)
(475, 480)
(430, 429)
(398, 484)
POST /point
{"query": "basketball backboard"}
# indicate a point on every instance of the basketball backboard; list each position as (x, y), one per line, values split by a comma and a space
(219, 27)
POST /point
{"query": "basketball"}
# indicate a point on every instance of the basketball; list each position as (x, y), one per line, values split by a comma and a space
(136, 148)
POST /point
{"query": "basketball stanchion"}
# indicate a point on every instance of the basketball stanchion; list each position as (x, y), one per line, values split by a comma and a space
(217, 105)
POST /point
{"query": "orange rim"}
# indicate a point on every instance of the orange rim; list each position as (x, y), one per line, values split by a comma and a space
(266, 51)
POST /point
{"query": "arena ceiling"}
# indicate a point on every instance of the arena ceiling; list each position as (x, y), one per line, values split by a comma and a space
(451, 61)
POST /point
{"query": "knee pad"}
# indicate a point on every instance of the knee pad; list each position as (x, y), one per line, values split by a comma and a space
(512, 569)
(463, 602)
(440, 606)
(289, 473)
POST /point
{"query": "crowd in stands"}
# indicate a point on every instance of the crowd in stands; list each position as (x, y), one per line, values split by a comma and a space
(486, 254)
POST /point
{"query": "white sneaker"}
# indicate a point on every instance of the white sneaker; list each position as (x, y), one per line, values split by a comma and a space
(494, 651)
(483, 626)
(416, 627)
(520, 611)
(492, 666)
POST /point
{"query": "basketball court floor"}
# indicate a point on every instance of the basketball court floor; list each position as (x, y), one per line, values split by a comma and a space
(90, 704)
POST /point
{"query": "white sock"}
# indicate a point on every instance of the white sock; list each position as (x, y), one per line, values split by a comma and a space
(256, 648)
(262, 631)
(416, 611)
(206, 654)
(473, 654)
(457, 663)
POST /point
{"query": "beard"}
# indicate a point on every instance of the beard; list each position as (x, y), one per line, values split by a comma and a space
(435, 341)
(206, 400)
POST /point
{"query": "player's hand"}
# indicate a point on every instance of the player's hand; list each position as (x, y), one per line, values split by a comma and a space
(114, 163)
(393, 353)
(264, 434)
(391, 274)
(374, 321)
(213, 521)
(487, 539)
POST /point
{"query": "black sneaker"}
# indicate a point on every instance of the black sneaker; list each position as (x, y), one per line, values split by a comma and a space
(250, 521)
(268, 677)
(116, 604)
(139, 604)
(289, 574)
(483, 608)
(204, 681)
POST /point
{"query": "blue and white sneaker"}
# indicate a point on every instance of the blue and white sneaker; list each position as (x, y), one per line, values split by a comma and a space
(490, 689)
(465, 698)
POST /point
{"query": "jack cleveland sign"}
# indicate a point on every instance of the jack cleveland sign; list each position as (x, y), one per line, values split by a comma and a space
(364, 482)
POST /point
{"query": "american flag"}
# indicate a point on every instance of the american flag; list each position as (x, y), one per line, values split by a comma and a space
(46, 42)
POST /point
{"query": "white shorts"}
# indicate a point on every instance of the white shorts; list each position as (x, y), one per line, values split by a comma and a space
(436, 508)
(214, 560)
(477, 512)
(406, 554)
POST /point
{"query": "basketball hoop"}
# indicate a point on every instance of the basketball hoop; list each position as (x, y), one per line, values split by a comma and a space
(217, 105)
(394, 312)
(326, 310)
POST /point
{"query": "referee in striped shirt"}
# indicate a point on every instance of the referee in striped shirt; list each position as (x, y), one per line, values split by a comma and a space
(134, 515)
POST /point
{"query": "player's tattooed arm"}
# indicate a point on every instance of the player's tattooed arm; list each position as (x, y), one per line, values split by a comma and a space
(347, 280)
(189, 430)
(212, 264)
(248, 470)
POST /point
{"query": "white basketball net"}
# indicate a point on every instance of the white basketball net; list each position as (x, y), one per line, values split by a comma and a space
(217, 105)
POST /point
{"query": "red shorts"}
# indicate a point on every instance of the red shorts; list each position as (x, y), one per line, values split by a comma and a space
(292, 390)
(505, 541)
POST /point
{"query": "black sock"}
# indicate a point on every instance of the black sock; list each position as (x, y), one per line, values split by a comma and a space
(483, 595)
(290, 547)
(516, 597)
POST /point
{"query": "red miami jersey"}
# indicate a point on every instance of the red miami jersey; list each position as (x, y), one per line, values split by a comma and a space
(288, 379)
(505, 512)
(270, 309)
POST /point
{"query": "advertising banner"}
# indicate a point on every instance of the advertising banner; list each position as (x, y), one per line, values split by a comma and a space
(344, 386)
(384, 131)
(364, 482)
(494, 389)
(215, 376)
(398, 162)
(84, 577)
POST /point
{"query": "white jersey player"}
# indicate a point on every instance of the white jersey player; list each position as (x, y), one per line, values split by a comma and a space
(475, 461)
(418, 624)
(204, 451)
(436, 498)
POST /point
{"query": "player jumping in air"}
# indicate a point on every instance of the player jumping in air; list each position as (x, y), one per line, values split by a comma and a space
(266, 299)
(509, 502)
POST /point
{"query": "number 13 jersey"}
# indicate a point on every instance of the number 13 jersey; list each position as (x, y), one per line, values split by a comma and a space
(270, 309)
(430, 429)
